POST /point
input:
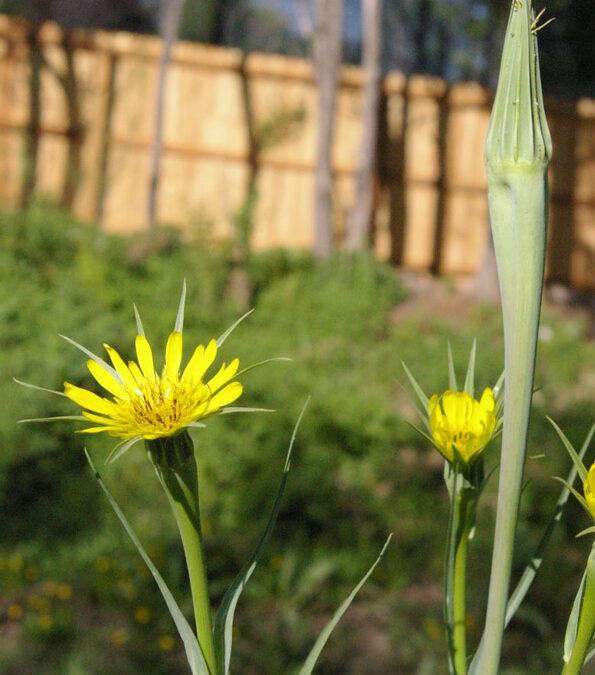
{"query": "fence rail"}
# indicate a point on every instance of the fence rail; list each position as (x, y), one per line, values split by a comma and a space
(76, 122)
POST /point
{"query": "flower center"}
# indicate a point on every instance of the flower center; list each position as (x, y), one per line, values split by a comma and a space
(163, 404)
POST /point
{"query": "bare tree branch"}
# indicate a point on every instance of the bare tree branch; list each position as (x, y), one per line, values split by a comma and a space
(360, 220)
(327, 60)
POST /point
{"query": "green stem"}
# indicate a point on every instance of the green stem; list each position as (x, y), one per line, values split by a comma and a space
(174, 462)
(461, 520)
(586, 623)
(466, 520)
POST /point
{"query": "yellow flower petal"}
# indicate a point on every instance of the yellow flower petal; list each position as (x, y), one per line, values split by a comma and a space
(121, 368)
(200, 361)
(89, 400)
(105, 379)
(144, 355)
(461, 422)
(227, 395)
(224, 375)
(136, 373)
(173, 355)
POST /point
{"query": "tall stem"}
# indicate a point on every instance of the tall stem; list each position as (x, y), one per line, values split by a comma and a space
(517, 152)
(174, 462)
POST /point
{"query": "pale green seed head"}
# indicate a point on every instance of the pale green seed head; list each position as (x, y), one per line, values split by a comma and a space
(518, 134)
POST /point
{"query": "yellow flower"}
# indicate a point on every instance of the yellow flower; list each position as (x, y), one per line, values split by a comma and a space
(589, 490)
(149, 405)
(142, 615)
(461, 425)
(167, 643)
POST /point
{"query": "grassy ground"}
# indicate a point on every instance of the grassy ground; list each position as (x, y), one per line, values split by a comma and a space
(74, 597)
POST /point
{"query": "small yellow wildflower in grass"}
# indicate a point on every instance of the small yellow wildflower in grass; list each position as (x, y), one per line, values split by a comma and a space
(64, 592)
(119, 636)
(142, 615)
(15, 563)
(149, 405)
(461, 425)
(167, 643)
(14, 612)
(44, 622)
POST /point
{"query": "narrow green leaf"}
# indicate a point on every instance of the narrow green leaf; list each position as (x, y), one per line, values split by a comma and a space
(582, 471)
(36, 388)
(452, 377)
(497, 388)
(221, 339)
(75, 418)
(577, 495)
(590, 651)
(238, 409)
(223, 627)
(310, 662)
(570, 636)
(97, 359)
(194, 654)
(139, 324)
(261, 363)
(423, 399)
(470, 376)
(179, 325)
(587, 530)
(121, 448)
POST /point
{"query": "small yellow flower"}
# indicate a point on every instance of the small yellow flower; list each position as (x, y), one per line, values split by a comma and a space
(103, 564)
(461, 425)
(167, 643)
(14, 612)
(64, 592)
(120, 636)
(45, 622)
(142, 615)
(589, 490)
(149, 405)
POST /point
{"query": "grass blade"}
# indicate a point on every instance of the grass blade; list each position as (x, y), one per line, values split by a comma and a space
(470, 376)
(452, 377)
(223, 628)
(221, 339)
(179, 325)
(423, 399)
(310, 662)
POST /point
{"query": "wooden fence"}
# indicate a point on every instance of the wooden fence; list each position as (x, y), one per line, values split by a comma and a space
(76, 115)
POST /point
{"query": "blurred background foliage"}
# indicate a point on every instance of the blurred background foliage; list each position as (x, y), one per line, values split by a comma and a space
(74, 595)
(453, 39)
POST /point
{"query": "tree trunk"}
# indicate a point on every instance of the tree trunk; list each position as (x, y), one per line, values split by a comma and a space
(170, 12)
(327, 60)
(362, 214)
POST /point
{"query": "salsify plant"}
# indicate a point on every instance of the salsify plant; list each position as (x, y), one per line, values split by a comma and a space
(517, 153)
(460, 427)
(158, 407)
